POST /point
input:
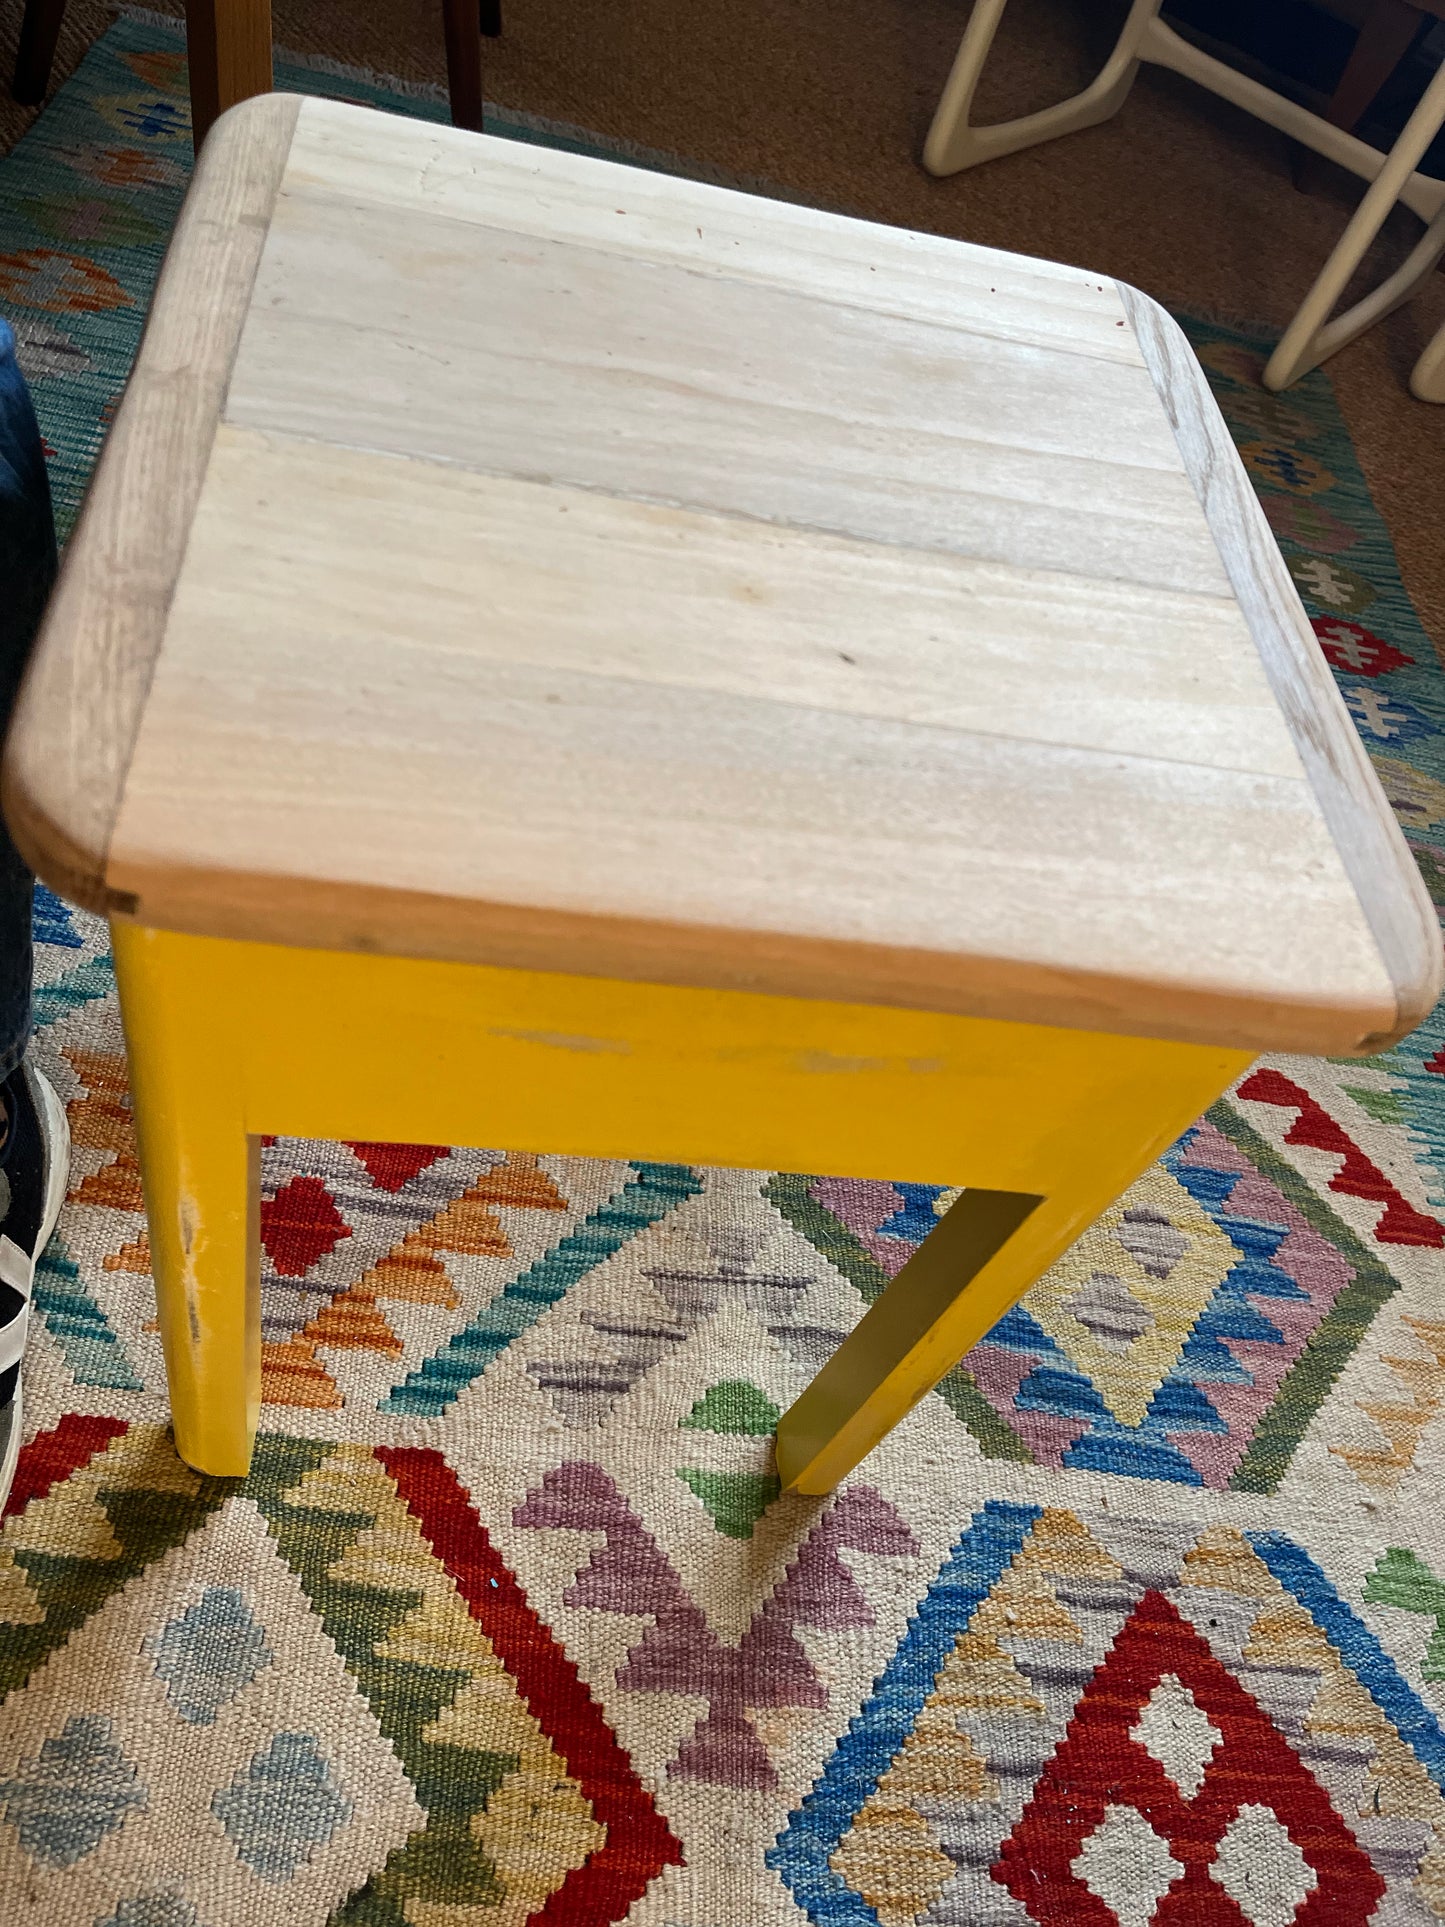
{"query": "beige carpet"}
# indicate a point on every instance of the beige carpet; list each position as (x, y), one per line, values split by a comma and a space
(830, 99)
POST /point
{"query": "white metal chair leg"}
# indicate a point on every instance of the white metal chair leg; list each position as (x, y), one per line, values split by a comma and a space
(1427, 378)
(953, 145)
(1312, 336)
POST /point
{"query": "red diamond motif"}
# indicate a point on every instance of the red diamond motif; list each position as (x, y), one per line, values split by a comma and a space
(1352, 647)
(300, 1225)
(393, 1165)
(1099, 1764)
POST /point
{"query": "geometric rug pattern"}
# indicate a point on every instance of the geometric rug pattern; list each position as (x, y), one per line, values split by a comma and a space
(1094, 1717)
(1138, 1621)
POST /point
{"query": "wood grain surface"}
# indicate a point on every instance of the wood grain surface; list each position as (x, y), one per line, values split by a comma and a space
(80, 705)
(601, 572)
(1375, 854)
(422, 169)
(615, 710)
(650, 380)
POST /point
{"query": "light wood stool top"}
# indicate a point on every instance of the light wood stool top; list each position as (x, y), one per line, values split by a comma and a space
(517, 558)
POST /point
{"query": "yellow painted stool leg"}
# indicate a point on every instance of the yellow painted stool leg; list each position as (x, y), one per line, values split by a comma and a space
(199, 1170)
(985, 1253)
(230, 1037)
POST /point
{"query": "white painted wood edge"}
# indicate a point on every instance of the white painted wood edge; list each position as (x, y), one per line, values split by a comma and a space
(1372, 848)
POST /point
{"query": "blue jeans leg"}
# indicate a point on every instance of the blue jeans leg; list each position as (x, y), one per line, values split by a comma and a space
(27, 571)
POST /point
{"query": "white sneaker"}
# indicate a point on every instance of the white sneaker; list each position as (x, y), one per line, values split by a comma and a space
(34, 1174)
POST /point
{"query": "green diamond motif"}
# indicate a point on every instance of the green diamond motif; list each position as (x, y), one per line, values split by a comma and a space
(733, 1405)
(735, 1500)
(1402, 1579)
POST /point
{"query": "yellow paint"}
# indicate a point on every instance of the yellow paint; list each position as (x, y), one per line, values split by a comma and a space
(232, 1040)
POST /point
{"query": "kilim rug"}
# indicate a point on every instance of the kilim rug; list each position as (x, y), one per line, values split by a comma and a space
(1139, 1619)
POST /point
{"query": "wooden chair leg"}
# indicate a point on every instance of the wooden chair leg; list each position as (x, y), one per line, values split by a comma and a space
(39, 31)
(491, 17)
(1385, 38)
(875, 1376)
(228, 51)
(463, 25)
(232, 1041)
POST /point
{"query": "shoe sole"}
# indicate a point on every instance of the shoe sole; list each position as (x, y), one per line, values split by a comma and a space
(55, 1129)
(12, 1447)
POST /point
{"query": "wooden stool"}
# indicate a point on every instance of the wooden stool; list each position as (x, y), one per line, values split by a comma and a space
(562, 657)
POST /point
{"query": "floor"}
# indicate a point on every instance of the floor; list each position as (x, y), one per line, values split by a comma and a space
(829, 100)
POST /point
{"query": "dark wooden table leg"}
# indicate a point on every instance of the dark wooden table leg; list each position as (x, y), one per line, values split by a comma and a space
(228, 48)
(1390, 27)
(462, 23)
(1385, 38)
(39, 31)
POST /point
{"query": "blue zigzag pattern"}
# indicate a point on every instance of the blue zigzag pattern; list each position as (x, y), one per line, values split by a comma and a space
(88, 1341)
(1366, 1658)
(990, 1542)
(1181, 1404)
(51, 921)
(801, 1853)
